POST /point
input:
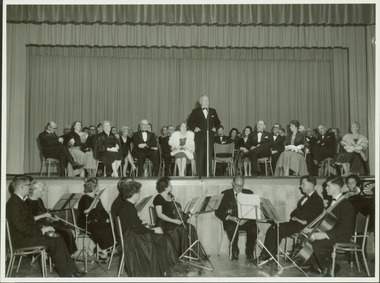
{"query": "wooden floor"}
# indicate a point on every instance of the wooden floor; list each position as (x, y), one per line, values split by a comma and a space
(224, 269)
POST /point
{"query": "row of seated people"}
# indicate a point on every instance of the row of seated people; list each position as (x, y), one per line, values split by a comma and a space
(300, 152)
(159, 248)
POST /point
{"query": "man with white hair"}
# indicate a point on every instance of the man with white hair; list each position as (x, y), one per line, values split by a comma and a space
(201, 120)
(145, 146)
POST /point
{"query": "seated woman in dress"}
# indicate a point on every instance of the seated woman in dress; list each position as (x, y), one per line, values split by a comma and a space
(233, 136)
(171, 218)
(80, 152)
(149, 252)
(352, 184)
(293, 157)
(183, 146)
(125, 147)
(354, 154)
(242, 147)
(98, 222)
(107, 149)
(43, 218)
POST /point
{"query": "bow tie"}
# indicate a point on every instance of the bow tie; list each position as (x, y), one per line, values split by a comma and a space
(259, 132)
(205, 108)
(275, 135)
(144, 131)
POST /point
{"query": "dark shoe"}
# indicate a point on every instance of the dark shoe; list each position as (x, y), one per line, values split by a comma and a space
(314, 270)
(235, 256)
(77, 166)
(264, 257)
(78, 274)
(250, 260)
(336, 270)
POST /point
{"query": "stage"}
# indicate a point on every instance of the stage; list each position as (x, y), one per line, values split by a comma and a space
(283, 192)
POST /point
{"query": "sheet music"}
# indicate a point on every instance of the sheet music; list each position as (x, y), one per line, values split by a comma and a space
(248, 206)
(269, 211)
(67, 201)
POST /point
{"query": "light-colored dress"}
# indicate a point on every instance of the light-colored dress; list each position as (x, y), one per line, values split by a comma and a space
(188, 146)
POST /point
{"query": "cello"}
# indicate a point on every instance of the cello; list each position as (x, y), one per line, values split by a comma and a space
(324, 222)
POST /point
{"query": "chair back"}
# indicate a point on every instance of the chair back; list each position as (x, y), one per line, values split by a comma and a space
(9, 239)
(120, 232)
(361, 228)
(224, 149)
(112, 228)
(153, 215)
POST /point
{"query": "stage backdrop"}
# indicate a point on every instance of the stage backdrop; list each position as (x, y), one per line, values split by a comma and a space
(252, 88)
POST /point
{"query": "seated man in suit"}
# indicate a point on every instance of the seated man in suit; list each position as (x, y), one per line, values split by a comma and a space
(278, 145)
(26, 233)
(166, 149)
(341, 232)
(52, 147)
(324, 147)
(259, 144)
(308, 208)
(145, 146)
(227, 212)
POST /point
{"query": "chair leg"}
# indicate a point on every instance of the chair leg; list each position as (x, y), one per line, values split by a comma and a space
(357, 261)
(10, 266)
(121, 267)
(49, 169)
(333, 255)
(365, 264)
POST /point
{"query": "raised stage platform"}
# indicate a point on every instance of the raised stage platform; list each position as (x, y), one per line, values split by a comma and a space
(283, 192)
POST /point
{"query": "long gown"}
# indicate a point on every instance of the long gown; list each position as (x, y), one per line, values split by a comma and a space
(147, 254)
(178, 233)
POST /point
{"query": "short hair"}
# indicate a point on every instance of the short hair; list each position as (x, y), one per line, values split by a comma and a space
(123, 128)
(261, 121)
(104, 122)
(220, 127)
(337, 180)
(178, 128)
(92, 126)
(123, 181)
(162, 129)
(33, 186)
(355, 177)
(279, 126)
(162, 183)
(17, 181)
(246, 127)
(238, 177)
(233, 129)
(296, 123)
(99, 125)
(310, 179)
(90, 184)
(356, 123)
(128, 189)
(73, 125)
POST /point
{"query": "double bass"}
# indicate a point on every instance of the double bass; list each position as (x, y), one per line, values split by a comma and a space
(324, 222)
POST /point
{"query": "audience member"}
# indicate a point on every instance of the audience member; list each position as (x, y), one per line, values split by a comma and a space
(293, 156)
(338, 139)
(182, 146)
(166, 150)
(145, 146)
(220, 137)
(99, 128)
(242, 146)
(259, 144)
(278, 144)
(52, 147)
(233, 136)
(114, 131)
(355, 146)
(163, 132)
(107, 149)
(126, 152)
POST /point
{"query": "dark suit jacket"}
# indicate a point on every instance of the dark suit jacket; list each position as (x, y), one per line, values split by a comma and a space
(197, 119)
(102, 142)
(224, 140)
(21, 221)
(325, 143)
(228, 205)
(265, 143)
(310, 209)
(164, 143)
(343, 230)
(137, 139)
(49, 143)
(278, 144)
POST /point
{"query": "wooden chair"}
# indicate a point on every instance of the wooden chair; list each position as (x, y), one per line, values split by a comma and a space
(267, 161)
(122, 259)
(226, 156)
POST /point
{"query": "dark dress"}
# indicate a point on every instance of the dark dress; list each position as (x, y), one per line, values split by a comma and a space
(102, 142)
(98, 222)
(178, 233)
(36, 208)
(125, 147)
(148, 254)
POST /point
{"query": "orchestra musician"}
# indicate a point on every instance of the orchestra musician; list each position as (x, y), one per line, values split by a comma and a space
(323, 242)
(44, 218)
(308, 208)
(227, 212)
(98, 222)
(171, 218)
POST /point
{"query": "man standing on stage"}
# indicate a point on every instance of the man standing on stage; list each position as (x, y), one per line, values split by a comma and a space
(200, 120)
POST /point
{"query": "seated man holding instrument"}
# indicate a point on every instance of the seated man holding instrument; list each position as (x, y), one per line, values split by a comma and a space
(308, 208)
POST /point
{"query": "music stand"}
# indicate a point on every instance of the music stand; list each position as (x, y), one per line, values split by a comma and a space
(194, 207)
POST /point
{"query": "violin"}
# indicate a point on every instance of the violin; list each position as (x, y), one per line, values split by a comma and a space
(177, 210)
(324, 222)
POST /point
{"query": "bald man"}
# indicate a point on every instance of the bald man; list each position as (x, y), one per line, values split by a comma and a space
(145, 146)
(227, 212)
(52, 147)
(198, 121)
